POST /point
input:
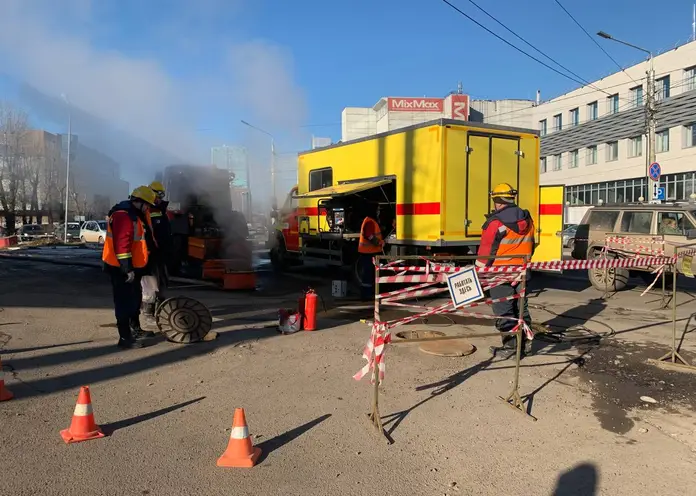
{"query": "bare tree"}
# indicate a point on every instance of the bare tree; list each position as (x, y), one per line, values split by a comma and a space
(13, 129)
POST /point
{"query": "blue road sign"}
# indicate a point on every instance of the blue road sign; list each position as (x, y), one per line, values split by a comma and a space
(660, 194)
(655, 171)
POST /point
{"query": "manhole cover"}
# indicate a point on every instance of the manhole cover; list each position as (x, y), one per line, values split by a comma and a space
(419, 334)
(448, 348)
(183, 320)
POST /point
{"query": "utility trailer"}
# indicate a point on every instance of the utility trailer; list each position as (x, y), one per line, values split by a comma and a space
(431, 182)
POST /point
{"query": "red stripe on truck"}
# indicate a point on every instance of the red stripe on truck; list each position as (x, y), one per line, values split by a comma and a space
(551, 209)
(418, 208)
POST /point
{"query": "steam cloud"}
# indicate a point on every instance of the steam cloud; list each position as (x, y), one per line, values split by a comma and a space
(123, 101)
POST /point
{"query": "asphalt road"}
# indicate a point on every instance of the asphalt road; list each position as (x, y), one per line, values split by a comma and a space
(168, 408)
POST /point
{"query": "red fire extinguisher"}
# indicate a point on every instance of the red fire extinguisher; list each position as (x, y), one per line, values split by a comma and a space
(310, 311)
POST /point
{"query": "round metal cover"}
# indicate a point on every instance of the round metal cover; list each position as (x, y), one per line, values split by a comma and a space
(183, 320)
(448, 348)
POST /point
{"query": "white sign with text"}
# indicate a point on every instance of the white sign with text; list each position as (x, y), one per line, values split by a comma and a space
(464, 287)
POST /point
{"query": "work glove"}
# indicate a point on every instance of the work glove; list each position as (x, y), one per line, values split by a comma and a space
(130, 277)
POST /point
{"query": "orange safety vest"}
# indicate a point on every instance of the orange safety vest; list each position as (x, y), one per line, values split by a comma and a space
(138, 252)
(364, 245)
(520, 244)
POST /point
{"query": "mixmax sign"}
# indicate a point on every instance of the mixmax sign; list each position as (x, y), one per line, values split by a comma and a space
(457, 105)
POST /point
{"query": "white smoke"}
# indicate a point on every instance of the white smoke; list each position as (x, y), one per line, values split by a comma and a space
(50, 46)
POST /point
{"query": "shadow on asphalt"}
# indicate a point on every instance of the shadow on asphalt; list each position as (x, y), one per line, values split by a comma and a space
(37, 348)
(270, 445)
(172, 354)
(109, 429)
(579, 481)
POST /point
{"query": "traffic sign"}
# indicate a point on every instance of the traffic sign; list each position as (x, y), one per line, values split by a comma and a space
(658, 193)
(655, 171)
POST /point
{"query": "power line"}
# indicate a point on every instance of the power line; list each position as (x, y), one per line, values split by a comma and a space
(594, 40)
(511, 44)
(533, 47)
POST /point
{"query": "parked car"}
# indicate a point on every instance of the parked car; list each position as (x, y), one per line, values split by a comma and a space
(73, 231)
(31, 231)
(93, 231)
(568, 235)
(674, 221)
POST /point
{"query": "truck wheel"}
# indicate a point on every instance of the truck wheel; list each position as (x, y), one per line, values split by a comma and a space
(279, 256)
(616, 278)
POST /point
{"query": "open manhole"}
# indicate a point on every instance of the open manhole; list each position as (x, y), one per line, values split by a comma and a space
(422, 334)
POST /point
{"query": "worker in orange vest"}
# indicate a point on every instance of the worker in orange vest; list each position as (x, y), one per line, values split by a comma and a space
(125, 256)
(508, 233)
(370, 244)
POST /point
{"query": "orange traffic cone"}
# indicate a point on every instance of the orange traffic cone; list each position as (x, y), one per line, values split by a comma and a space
(5, 394)
(82, 427)
(240, 452)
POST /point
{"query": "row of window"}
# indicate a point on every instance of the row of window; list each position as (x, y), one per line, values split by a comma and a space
(662, 91)
(640, 222)
(611, 150)
(678, 187)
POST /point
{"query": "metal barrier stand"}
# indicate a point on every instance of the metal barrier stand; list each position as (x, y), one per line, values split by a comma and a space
(514, 399)
(673, 358)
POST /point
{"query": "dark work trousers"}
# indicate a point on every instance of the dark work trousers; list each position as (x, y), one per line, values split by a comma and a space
(509, 309)
(127, 298)
(367, 276)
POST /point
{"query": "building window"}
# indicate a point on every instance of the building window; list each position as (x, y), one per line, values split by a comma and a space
(635, 146)
(542, 127)
(557, 162)
(574, 159)
(320, 178)
(612, 151)
(637, 96)
(574, 117)
(542, 165)
(662, 88)
(591, 155)
(689, 135)
(690, 79)
(592, 113)
(558, 122)
(613, 104)
(662, 141)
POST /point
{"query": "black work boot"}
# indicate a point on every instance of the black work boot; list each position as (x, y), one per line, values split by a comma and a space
(507, 350)
(138, 332)
(125, 337)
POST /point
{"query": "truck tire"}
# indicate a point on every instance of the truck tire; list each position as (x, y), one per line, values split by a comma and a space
(279, 256)
(616, 278)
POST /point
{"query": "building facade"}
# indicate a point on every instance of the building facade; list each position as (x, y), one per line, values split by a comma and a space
(234, 159)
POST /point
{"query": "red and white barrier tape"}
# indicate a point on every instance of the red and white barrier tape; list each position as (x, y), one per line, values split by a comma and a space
(374, 352)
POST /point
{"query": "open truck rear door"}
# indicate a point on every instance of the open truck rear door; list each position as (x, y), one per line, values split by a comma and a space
(551, 211)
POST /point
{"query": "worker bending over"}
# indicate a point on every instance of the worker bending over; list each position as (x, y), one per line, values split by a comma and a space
(155, 280)
(125, 256)
(508, 232)
(370, 245)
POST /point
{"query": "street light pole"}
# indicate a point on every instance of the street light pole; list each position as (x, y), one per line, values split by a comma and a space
(650, 108)
(67, 174)
(273, 161)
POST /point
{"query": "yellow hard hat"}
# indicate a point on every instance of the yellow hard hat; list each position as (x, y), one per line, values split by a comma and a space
(158, 188)
(504, 190)
(144, 193)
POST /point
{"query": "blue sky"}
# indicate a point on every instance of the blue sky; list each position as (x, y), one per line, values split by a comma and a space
(183, 76)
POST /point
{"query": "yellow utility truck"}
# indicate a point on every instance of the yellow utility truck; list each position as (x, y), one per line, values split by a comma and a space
(431, 182)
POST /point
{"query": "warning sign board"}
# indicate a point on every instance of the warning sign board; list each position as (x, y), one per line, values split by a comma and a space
(464, 287)
(686, 266)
